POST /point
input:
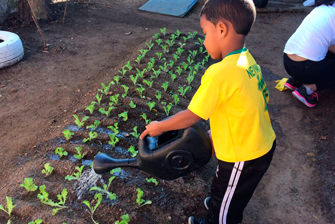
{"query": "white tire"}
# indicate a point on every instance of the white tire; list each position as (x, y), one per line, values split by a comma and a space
(11, 49)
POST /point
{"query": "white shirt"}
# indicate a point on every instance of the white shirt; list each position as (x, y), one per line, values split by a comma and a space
(315, 34)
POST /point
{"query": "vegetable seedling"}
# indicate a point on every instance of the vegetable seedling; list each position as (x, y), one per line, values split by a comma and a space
(159, 55)
(90, 108)
(184, 65)
(144, 116)
(79, 155)
(183, 90)
(151, 105)
(156, 35)
(61, 152)
(149, 45)
(156, 73)
(167, 109)
(140, 90)
(192, 35)
(37, 221)
(159, 95)
(200, 41)
(149, 67)
(138, 59)
(114, 128)
(98, 198)
(140, 73)
(106, 112)
(163, 31)
(190, 78)
(170, 43)
(159, 41)
(123, 71)
(165, 48)
(176, 99)
(68, 134)
(9, 206)
(104, 189)
(113, 139)
(179, 51)
(135, 133)
(139, 200)
(117, 79)
(171, 63)
(132, 151)
(128, 66)
(173, 76)
(132, 104)
(185, 38)
(124, 115)
(115, 99)
(164, 67)
(148, 83)
(94, 125)
(181, 45)
(79, 122)
(99, 98)
(47, 169)
(177, 33)
(179, 70)
(44, 198)
(207, 58)
(152, 180)
(202, 50)
(165, 85)
(193, 53)
(173, 36)
(105, 89)
(124, 219)
(75, 175)
(126, 88)
(175, 57)
(190, 60)
(133, 79)
(143, 52)
(91, 135)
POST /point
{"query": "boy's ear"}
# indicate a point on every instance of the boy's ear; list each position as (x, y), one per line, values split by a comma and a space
(222, 28)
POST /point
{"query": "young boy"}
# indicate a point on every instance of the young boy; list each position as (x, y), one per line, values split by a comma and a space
(234, 97)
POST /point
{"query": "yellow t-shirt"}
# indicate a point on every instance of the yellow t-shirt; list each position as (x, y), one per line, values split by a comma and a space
(233, 95)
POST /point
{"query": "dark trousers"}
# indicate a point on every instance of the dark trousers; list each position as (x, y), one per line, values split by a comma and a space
(321, 73)
(233, 186)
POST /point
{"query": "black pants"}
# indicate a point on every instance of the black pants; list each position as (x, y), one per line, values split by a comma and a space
(233, 186)
(321, 73)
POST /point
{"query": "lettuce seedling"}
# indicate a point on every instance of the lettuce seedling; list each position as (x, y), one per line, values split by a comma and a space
(179, 70)
(150, 45)
(68, 134)
(173, 36)
(159, 55)
(44, 198)
(148, 83)
(47, 169)
(190, 78)
(190, 60)
(152, 180)
(106, 112)
(171, 63)
(114, 128)
(192, 35)
(125, 219)
(159, 95)
(132, 104)
(124, 115)
(37, 221)
(181, 45)
(177, 33)
(140, 90)
(90, 108)
(156, 73)
(94, 125)
(186, 38)
(193, 53)
(79, 122)
(138, 59)
(183, 90)
(179, 51)
(163, 30)
(132, 151)
(105, 89)
(92, 135)
(170, 43)
(128, 66)
(61, 152)
(164, 67)
(156, 35)
(110, 195)
(135, 133)
(98, 97)
(117, 79)
(165, 85)
(123, 71)
(173, 76)
(176, 99)
(115, 98)
(149, 67)
(175, 57)
(113, 139)
(167, 109)
(143, 52)
(202, 50)
(98, 197)
(159, 41)
(79, 155)
(140, 73)
(139, 200)
(9, 206)
(207, 58)
(165, 48)
(151, 105)
(133, 79)
(184, 65)
(116, 170)
(144, 116)
(200, 41)
(75, 175)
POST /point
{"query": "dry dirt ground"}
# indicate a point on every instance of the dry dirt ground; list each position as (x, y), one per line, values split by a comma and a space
(40, 94)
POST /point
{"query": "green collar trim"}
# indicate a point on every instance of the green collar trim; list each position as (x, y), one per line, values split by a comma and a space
(244, 49)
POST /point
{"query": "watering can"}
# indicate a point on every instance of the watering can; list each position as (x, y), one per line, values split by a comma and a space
(167, 156)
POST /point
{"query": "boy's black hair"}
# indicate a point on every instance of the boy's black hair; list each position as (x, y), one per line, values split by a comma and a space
(324, 2)
(241, 13)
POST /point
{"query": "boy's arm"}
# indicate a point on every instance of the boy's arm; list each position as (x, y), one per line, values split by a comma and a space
(181, 120)
(332, 49)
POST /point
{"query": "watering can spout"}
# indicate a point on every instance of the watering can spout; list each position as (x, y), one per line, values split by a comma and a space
(104, 163)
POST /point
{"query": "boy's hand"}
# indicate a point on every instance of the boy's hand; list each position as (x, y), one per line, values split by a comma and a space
(152, 129)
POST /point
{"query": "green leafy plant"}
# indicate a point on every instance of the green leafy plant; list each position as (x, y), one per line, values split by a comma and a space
(124, 115)
(94, 125)
(115, 99)
(139, 200)
(133, 78)
(144, 116)
(114, 128)
(140, 73)
(165, 85)
(192, 35)
(61, 152)
(91, 135)
(143, 52)
(165, 48)
(167, 109)
(75, 175)
(177, 33)
(149, 67)
(159, 41)
(173, 76)
(105, 89)
(151, 105)
(190, 78)
(171, 63)
(79, 122)
(163, 31)
(128, 66)
(98, 198)
(183, 90)
(170, 43)
(99, 98)
(140, 90)
(132, 150)
(132, 104)
(135, 133)
(176, 99)
(193, 53)
(124, 70)
(190, 60)
(156, 73)
(159, 95)
(113, 139)
(91, 107)
(156, 35)
(200, 41)
(185, 38)
(37, 221)
(173, 36)
(179, 51)
(182, 45)
(139, 58)
(163, 67)
(149, 45)
(179, 70)
(117, 79)
(124, 219)
(148, 83)
(202, 50)
(67, 134)
(29, 184)
(79, 155)
(47, 169)
(9, 206)
(126, 88)
(207, 58)
(152, 180)
(175, 57)
(106, 112)
(184, 65)
(159, 55)
(104, 189)
(44, 198)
